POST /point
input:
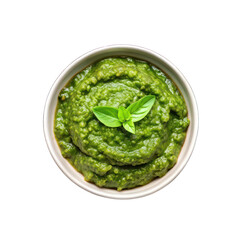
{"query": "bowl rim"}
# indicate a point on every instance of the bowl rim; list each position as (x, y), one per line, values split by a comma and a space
(99, 191)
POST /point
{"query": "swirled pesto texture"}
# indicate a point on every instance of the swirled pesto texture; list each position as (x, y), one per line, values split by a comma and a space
(113, 157)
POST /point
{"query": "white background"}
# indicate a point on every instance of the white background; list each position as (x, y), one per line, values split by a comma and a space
(39, 39)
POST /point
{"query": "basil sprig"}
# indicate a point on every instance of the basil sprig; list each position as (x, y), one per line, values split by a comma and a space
(113, 117)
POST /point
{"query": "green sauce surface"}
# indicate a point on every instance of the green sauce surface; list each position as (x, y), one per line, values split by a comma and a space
(113, 157)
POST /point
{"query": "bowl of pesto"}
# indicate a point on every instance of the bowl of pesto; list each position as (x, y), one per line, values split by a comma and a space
(121, 121)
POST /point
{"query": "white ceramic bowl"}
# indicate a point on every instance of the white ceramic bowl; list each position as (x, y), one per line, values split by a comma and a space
(139, 53)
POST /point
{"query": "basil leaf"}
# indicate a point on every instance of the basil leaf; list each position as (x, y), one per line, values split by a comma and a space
(123, 114)
(107, 115)
(141, 108)
(129, 126)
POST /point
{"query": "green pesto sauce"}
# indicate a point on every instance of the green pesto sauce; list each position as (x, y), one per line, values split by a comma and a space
(113, 157)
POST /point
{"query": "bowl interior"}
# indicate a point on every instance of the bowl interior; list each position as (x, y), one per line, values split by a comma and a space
(139, 53)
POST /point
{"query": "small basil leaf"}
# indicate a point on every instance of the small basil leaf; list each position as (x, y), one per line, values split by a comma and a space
(129, 126)
(141, 108)
(107, 115)
(123, 114)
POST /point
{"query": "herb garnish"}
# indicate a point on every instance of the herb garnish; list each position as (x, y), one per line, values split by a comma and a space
(113, 117)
